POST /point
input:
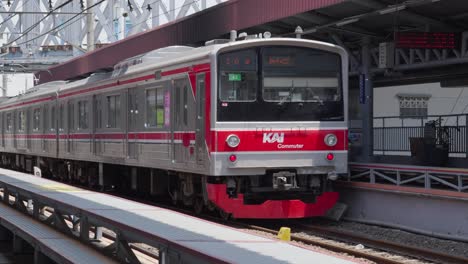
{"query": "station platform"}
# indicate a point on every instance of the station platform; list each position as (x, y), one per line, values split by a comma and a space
(47, 241)
(408, 197)
(179, 238)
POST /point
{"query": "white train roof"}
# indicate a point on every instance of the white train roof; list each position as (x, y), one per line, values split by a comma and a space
(159, 58)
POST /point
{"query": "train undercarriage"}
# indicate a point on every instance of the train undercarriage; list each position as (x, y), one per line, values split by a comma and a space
(233, 196)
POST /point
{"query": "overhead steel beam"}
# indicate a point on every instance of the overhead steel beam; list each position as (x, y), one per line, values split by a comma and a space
(373, 4)
(201, 26)
(33, 25)
(354, 62)
(320, 20)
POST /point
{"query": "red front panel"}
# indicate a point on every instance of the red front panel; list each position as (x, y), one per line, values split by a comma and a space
(270, 209)
(282, 140)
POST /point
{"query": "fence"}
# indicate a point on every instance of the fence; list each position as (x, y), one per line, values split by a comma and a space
(392, 133)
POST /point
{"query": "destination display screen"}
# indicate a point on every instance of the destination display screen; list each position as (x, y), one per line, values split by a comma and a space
(427, 40)
(280, 61)
(245, 60)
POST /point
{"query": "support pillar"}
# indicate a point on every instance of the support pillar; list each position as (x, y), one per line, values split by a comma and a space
(17, 244)
(4, 84)
(5, 234)
(84, 229)
(6, 195)
(367, 106)
(98, 233)
(90, 25)
(40, 258)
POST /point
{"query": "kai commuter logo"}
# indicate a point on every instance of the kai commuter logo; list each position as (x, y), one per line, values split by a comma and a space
(273, 137)
(279, 138)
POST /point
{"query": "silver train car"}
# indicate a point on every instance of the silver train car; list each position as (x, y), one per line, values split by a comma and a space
(254, 128)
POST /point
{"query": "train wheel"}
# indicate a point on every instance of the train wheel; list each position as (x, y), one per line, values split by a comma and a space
(174, 197)
(198, 205)
(224, 215)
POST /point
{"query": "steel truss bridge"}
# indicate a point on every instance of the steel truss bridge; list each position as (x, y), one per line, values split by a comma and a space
(37, 34)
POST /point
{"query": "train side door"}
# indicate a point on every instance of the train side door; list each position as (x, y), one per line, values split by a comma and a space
(70, 125)
(2, 123)
(132, 116)
(178, 110)
(29, 123)
(45, 125)
(97, 124)
(14, 127)
(200, 121)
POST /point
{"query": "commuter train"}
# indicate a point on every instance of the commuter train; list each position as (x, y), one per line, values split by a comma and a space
(255, 128)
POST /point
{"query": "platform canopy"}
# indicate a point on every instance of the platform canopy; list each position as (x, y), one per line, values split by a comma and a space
(344, 22)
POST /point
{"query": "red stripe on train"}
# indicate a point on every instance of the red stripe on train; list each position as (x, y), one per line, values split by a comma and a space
(195, 68)
(137, 136)
(281, 140)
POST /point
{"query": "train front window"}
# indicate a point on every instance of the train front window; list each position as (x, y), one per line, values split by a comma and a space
(238, 76)
(280, 83)
(300, 75)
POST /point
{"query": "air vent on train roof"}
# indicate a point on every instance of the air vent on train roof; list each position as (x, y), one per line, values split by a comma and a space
(216, 42)
(49, 85)
(154, 54)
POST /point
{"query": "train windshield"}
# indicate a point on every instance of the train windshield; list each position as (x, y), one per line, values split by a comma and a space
(280, 84)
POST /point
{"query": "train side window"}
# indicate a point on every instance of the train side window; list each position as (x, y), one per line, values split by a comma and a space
(52, 118)
(155, 107)
(113, 111)
(21, 121)
(83, 114)
(9, 123)
(36, 119)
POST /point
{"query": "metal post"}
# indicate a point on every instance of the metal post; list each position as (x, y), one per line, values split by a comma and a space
(17, 244)
(5, 234)
(4, 84)
(383, 136)
(40, 258)
(466, 136)
(98, 233)
(6, 195)
(90, 26)
(367, 107)
(421, 131)
(84, 229)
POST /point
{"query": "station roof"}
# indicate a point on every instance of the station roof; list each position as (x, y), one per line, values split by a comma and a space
(344, 22)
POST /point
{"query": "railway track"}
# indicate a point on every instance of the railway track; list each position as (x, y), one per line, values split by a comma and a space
(346, 236)
(321, 231)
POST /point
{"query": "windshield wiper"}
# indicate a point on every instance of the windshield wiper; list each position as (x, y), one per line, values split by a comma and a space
(333, 118)
(289, 97)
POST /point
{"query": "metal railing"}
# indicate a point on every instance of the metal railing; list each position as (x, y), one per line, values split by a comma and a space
(393, 133)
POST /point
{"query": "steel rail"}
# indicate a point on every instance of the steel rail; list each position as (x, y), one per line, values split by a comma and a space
(404, 249)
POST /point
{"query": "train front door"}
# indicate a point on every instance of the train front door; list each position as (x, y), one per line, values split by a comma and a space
(45, 127)
(70, 125)
(132, 117)
(200, 122)
(183, 122)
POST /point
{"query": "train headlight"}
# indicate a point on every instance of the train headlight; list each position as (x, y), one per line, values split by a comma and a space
(331, 140)
(233, 141)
